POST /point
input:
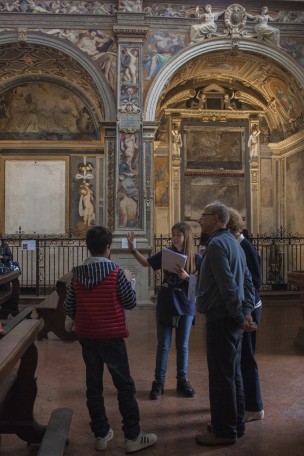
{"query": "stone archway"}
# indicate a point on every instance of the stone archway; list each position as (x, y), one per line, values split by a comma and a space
(80, 99)
(257, 77)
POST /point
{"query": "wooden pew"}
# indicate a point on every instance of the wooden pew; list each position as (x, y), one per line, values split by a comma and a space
(9, 298)
(18, 389)
(52, 311)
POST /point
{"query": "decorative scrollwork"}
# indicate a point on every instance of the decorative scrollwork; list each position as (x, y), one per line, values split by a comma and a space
(235, 20)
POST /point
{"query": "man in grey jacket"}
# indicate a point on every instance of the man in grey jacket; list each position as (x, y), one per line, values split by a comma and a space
(226, 296)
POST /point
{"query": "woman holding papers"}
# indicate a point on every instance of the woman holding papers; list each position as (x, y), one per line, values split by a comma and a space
(175, 304)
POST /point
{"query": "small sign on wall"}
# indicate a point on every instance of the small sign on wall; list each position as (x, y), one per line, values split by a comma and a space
(28, 245)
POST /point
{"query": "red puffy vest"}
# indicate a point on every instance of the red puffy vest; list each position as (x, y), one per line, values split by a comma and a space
(99, 314)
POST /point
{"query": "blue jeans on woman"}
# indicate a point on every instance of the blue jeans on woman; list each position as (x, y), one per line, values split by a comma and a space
(164, 339)
(250, 371)
(112, 353)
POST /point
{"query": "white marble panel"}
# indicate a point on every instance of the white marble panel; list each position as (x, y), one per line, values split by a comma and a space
(35, 197)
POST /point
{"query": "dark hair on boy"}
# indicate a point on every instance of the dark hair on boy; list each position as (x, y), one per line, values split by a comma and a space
(97, 239)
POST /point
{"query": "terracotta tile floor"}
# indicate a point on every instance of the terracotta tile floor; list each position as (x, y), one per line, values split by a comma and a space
(176, 420)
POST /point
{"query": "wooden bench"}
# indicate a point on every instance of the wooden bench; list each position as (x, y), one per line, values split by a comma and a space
(9, 298)
(18, 389)
(52, 311)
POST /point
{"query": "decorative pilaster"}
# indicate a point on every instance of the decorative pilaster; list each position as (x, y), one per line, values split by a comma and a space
(130, 212)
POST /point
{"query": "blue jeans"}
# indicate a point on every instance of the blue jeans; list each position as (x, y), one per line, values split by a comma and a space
(227, 405)
(112, 353)
(164, 339)
(250, 372)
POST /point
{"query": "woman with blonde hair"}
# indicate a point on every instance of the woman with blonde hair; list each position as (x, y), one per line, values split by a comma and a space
(175, 308)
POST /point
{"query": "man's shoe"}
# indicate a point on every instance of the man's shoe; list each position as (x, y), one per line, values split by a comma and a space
(102, 442)
(157, 390)
(211, 439)
(240, 432)
(185, 388)
(253, 416)
(142, 441)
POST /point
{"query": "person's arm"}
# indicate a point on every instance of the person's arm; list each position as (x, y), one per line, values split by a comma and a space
(137, 255)
(69, 303)
(127, 296)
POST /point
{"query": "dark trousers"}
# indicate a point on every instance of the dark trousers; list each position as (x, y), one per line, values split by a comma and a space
(250, 372)
(224, 344)
(113, 354)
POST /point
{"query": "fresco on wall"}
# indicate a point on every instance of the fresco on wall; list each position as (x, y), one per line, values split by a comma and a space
(129, 71)
(128, 187)
(100, 46)
(294, 46)
(216, 148)
(294, 190)
(130, 6)
(82, 193)
(203, 192)
(159, 49)
(42, 111)
(161, 182)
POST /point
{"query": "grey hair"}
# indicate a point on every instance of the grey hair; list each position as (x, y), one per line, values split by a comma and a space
(221, 210)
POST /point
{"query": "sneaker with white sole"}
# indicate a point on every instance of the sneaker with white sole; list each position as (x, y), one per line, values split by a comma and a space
(140, 442)
(254, 416)
(102, 442)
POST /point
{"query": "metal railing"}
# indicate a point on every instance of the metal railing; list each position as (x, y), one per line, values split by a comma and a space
(43, 260)
(280, 252)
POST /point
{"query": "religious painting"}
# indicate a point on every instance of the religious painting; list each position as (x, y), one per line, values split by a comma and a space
(130, 6)
(44, 111)
(159, 48)
(129, 71)
(201, 191)
(82, 193)
(128, 186)
(214, 147)
(294, 188)
(161, 176)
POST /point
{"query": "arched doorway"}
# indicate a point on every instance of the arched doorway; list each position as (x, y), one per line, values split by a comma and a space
(230, 106)
(53, 103)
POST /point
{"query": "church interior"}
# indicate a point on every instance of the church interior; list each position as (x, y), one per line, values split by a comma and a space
(135, 114)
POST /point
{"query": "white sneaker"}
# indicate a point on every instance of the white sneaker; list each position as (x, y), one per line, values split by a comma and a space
(253, 416)
(102, 442)
(142, 441)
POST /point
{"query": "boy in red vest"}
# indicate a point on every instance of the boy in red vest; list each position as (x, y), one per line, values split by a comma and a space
(96, 299)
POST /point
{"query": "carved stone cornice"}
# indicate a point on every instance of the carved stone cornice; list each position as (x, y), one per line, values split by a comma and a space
(136, 33)
(288, 146)
(214, 173)
(214, 115)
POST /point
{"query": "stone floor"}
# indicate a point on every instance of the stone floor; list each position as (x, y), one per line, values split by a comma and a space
(176, 420)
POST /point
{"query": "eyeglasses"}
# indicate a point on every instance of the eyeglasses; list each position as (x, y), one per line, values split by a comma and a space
(205, 215)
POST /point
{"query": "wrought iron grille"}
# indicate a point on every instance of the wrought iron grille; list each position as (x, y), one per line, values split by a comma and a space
(52, 257)
(279, 251)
